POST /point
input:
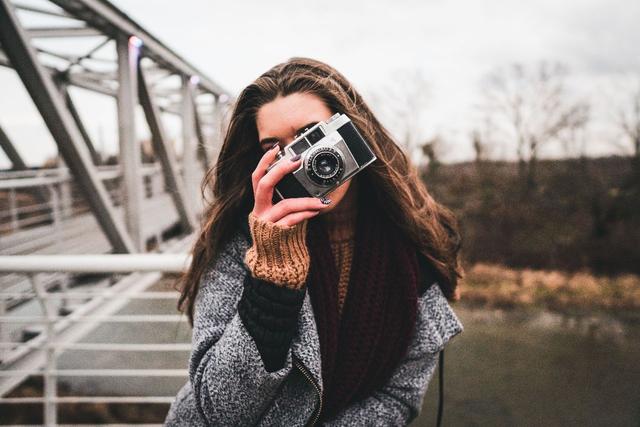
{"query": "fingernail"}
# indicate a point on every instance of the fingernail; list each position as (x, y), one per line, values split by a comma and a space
(325, 201)
(274, 146)
(296, 157)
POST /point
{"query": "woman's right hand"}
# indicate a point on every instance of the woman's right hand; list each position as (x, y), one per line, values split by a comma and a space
(287, 212)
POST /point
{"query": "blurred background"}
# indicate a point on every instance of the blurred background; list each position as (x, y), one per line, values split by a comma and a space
(522, 117)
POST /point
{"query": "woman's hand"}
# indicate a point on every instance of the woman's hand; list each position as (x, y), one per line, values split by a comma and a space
(287, 212)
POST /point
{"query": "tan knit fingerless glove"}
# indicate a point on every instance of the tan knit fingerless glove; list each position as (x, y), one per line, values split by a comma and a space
(279, 253)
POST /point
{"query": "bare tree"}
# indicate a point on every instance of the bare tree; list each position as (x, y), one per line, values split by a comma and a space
(574, 141)
(629, 119)
(403, 106)
(533, 108)
(483, 138)
(433, 149)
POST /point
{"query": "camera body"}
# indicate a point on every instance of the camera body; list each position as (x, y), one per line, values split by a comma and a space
(332, 152)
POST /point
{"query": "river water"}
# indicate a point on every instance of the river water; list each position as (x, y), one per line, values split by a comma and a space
(536, 368)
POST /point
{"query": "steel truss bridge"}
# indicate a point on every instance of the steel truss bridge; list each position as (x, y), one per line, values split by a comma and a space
(82, 242)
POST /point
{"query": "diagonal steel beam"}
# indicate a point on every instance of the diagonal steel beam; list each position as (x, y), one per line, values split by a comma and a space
(18, 164)
(4, 61)
(95, 156)
(106, 17)
(203, 154)
(11, 152)
(165, 153)
(49, 101)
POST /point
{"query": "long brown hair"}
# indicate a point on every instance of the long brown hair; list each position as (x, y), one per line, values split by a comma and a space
(400, 193)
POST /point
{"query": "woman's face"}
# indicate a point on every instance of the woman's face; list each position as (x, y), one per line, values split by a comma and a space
(280, 120)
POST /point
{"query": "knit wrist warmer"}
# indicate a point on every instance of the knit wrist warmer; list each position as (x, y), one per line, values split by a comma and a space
(270, 315)
(279, 253)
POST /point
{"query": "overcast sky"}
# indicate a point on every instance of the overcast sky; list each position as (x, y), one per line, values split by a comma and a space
(452, 43)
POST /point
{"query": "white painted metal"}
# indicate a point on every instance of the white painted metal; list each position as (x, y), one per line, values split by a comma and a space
(47, 98)
(128, 56)
(59, 32)
(189, 150)
(50, 377)
(116, 263)
(100, 373)
(110, 301)
(165, 153)
(90, 18)
(111, 318)
(80, 295)
(106, 346)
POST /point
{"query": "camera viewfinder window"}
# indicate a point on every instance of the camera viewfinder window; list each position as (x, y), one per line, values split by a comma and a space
(315, 136)
(300, 146)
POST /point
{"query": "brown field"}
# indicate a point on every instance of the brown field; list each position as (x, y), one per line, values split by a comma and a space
(498, 286)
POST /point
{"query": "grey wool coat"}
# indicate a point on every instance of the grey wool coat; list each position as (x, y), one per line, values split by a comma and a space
(229, 384)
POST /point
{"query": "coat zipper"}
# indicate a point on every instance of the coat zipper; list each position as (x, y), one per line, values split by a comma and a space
(308, 376)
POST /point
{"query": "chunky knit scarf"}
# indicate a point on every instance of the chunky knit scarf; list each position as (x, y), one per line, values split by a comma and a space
(360, 352)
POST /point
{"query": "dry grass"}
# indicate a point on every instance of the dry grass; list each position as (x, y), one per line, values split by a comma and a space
(498, 286)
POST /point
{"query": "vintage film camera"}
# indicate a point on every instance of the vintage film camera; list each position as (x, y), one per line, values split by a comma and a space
(332, 152)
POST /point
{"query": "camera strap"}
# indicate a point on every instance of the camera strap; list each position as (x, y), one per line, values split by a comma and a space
(440, 386)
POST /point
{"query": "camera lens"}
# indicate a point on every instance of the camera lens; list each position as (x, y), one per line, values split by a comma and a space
(325, 166)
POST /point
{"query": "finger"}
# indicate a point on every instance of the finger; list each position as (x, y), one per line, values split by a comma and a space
(297, 204)
(261, 168)
(294, 218)
(264, 188)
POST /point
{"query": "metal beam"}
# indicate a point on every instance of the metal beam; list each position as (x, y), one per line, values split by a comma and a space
(119, 263)
(29, 8)
(73, 79)
(99, 75)
(11, 152)
(128, 49)
(217, 112)
(61, 32)
(95, 156)
(165, 153)
(106, 17)
(93, 50)
(77, 79)
(4, 61)
(18, 164)
(50, 103)
(189, 148)
(103, 304)
(203, 154)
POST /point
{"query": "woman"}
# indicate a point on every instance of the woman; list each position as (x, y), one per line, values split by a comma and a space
(309, 311)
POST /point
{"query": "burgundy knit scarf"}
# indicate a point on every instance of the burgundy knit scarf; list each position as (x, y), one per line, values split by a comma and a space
(360, 353)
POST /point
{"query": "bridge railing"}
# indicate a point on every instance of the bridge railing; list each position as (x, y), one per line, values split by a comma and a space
(49, 196)
(38, 356)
